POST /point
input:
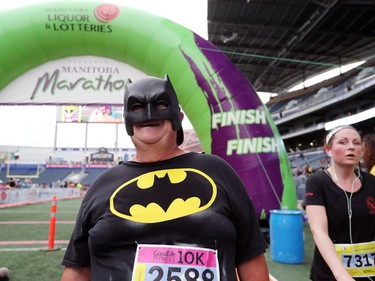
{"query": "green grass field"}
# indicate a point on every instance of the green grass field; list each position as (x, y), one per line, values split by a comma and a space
(33, 262)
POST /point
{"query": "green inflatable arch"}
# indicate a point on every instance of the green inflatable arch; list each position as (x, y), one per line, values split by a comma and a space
(226, 113)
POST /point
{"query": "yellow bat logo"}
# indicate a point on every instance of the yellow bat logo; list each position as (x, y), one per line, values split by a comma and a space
(163, 195)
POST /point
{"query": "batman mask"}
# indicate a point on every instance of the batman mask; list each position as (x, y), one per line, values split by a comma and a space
(152, 98)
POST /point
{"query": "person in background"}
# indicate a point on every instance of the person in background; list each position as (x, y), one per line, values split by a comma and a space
(165, 214)
(369, 153)
(340, 206)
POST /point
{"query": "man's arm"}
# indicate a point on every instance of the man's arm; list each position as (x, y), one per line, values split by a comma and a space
(254, 270)
(76, 274)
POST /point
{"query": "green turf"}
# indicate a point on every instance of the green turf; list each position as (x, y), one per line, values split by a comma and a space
(32, 262)
(33, 265)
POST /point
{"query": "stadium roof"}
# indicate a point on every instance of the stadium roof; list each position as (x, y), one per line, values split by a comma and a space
(278, 44)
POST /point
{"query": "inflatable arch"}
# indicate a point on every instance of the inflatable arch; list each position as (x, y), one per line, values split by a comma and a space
(225, 111)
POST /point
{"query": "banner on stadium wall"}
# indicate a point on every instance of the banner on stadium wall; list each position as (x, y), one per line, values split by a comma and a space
(225, 111)
(91, 114)
(30, 195)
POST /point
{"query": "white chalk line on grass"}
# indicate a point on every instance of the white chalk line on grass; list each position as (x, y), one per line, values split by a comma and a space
(31, 242)
(7, 211)
(36, 222)
(25, 249)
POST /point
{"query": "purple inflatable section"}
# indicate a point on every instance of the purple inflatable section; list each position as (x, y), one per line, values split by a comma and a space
(260, 172)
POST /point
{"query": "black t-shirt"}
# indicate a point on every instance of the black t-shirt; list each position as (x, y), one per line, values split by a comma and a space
(193, 200)
(322, 190)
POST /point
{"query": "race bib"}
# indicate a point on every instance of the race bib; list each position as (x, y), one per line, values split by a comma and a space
(358, 259)
(175, 263)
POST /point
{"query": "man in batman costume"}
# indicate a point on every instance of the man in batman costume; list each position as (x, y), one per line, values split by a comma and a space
(166, 214)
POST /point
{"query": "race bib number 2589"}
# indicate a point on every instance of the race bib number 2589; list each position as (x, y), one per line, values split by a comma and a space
(175, 263)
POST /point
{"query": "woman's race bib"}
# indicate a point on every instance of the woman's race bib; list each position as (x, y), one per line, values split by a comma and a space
(358, 259)
(175, 263)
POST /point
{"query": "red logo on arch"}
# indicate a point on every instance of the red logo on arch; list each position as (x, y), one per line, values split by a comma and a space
(106, 12)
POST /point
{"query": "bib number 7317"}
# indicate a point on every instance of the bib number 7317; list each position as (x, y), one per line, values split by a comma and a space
(358, 259)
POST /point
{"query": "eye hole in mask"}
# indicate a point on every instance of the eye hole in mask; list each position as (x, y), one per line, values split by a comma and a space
(137, 107)
(161, 105)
